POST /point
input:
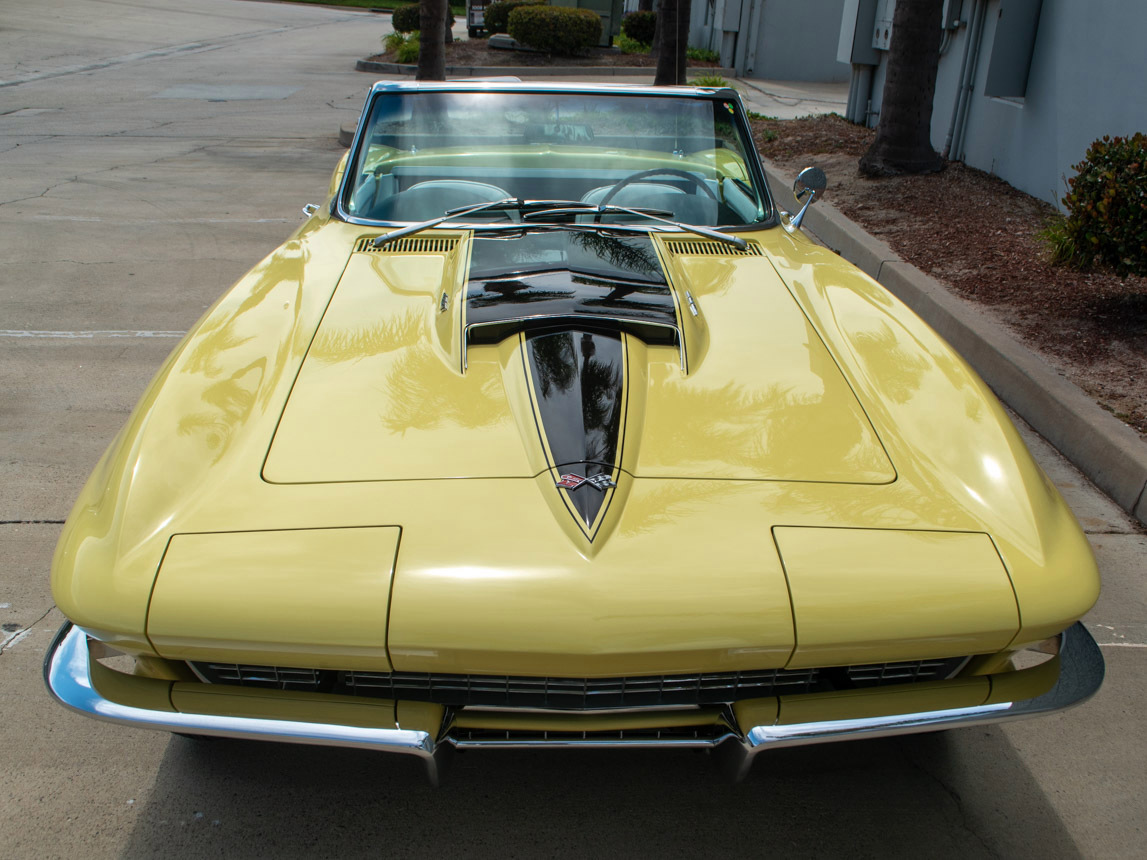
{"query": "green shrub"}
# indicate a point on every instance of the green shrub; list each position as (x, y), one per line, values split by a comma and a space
(404, 19)
(497, 16)
(555, 29)
(703, 55)
(407, 52)
(709, 81)
(639, 26)
(391, 42)
(631, 46)
(1106, 208)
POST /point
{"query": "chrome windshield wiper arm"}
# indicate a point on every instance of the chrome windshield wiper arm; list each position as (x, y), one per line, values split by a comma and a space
(445, 216)
(736, 241)
(582, 208)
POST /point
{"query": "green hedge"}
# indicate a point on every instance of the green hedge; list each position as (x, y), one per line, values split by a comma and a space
(1107, 207)
(555, 29)
(639, 26)
(404, 19)
(497, 16)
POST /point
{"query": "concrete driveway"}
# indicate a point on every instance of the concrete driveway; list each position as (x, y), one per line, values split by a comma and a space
(151, 151)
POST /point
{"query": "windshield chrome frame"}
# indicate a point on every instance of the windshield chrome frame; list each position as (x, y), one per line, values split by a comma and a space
(382, 88)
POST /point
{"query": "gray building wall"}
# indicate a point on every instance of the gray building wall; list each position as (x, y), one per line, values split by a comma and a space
(1088, 78)
(788, 40)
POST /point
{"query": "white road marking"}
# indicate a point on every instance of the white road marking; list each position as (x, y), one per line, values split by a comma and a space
(1122, 644)
(87, 335)
(12, 638)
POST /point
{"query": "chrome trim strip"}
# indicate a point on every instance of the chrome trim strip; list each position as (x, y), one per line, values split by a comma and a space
(771, 212)
(67, 673)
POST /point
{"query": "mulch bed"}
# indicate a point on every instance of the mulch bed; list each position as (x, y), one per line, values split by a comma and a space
(979, 235)
(476, 52)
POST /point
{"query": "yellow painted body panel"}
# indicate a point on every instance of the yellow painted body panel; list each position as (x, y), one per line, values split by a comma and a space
(901, 435)
(382, 396)
(766, 402)
(868, 595)
(319, 596)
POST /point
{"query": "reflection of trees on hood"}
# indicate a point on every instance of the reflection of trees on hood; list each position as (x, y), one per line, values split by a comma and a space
(620, 252)
(555, 362)
(600, 403)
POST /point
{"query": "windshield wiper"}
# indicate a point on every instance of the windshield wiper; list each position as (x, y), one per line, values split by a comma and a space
(446, 216)
(514, 203)
(653, 214)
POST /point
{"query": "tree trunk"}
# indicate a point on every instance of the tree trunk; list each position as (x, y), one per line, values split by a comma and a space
(672, 40)
(431, 45)
(903, 136)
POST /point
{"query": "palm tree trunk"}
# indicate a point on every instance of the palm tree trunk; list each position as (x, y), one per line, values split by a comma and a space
(672, 40)
(431, 45)
(903, 136)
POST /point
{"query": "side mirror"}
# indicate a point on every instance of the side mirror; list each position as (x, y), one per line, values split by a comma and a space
(810, 183)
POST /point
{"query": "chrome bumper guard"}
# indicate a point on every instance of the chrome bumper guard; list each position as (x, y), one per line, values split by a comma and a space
(69, 677)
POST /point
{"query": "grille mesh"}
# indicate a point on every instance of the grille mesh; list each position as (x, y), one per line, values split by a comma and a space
(408, 245)
(578, 693)
(701, 247)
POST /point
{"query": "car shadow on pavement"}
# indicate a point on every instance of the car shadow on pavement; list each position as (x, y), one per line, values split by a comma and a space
(963, 794)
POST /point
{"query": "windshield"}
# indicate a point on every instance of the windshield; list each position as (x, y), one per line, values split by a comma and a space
(683, 158)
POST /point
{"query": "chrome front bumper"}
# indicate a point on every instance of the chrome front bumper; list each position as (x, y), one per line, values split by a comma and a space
(84, 685)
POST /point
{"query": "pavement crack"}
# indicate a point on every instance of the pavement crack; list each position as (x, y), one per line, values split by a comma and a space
(8, 643)
(954, 796)
(31, 522)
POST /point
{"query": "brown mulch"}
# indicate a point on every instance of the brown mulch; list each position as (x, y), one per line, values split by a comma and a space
(978, 234)
(476, 52)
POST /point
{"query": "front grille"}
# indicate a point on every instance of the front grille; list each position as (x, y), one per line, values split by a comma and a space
(578, 694)
(684, 735)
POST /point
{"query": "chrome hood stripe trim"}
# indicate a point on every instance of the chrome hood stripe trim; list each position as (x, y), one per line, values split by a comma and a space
(67, 672)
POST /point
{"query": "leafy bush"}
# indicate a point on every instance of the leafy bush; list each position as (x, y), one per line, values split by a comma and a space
(404, 19)
(631, 46)
(639, 27)
(391, 42)
(702, 54)
(498, 13)
(710, 81)
(1106, 208)
(555, 29)
(407, 52)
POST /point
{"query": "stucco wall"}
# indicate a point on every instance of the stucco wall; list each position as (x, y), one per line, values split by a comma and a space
(795, 40)
(1087, 79)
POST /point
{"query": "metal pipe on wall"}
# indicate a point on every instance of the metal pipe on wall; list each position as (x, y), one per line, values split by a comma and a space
(977, 37)
(960, 81)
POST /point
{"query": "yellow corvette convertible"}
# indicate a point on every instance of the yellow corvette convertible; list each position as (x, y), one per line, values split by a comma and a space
(549, 429)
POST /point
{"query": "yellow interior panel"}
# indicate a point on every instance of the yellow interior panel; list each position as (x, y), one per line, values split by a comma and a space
(870, 595)
(309, 597)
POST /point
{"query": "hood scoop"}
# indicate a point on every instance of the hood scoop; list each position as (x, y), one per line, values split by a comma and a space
(585, 281)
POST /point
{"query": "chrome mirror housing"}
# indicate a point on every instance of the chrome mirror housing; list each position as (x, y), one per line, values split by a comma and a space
(810, 183)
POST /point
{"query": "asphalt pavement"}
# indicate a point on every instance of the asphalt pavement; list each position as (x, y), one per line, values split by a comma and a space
(151, 152)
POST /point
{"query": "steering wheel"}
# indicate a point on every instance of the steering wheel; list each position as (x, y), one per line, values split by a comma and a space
(642, 175)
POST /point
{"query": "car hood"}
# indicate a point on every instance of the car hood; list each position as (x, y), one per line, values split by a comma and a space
(572, 352)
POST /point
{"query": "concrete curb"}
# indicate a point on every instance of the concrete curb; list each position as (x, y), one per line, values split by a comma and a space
(536, 71)
(1105, 449)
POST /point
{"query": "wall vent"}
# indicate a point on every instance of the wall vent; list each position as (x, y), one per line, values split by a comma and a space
(409, 245)
(709, 248)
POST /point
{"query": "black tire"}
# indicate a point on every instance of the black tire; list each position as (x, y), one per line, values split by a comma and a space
(473, 31)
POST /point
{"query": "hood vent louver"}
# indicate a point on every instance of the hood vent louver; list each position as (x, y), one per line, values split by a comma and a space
(409, 245)
(707, 248)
